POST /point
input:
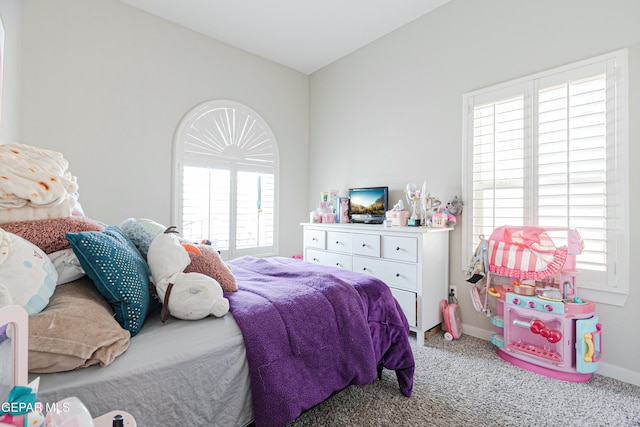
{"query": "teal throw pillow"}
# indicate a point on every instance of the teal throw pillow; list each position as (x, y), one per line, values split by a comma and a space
(119, 272)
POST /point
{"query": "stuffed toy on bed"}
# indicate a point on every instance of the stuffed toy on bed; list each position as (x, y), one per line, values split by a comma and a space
(188, 296)
(27, 276)
(207, 260)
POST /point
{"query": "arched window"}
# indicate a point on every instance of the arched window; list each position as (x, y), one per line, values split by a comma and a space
(225, 179)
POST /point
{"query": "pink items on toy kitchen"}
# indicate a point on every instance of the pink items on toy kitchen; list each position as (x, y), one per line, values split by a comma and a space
(541, 323)
(524, 253)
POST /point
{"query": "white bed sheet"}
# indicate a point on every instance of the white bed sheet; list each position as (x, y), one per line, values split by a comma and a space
(182, 372)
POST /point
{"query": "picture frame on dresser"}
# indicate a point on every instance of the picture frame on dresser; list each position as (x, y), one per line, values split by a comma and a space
(412, 261)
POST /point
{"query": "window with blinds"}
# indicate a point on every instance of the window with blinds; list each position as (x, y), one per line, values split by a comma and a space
(206, 206)
(225, 179)
(549, 150)
(255, 211)
(498, 165)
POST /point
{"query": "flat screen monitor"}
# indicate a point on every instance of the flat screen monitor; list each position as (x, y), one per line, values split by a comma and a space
(368, 204)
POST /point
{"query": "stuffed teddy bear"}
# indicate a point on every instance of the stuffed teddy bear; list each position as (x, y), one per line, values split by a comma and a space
(188, 296)
(454, 206)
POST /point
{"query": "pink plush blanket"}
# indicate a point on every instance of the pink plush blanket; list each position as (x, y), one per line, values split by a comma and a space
(310, 331)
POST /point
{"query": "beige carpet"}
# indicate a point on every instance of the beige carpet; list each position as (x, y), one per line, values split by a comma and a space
(464, 383)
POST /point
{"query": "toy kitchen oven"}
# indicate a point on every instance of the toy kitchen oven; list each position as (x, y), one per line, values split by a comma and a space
(541, 324)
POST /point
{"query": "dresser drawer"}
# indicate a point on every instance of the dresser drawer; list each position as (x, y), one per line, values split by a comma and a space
(394, 274)
(412, 261)
(408, 302)
(400, 248)
(339, 242)
(366, 244)
(329, 259)
(314, 239)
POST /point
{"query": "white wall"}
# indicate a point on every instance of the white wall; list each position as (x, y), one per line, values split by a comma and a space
(10, 12)
(107, 84)
(391, 113)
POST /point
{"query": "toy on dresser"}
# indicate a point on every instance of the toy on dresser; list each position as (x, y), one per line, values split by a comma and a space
(542, 325)
(332, 209)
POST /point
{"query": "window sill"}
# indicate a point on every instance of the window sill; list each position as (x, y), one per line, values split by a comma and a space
(617, 298)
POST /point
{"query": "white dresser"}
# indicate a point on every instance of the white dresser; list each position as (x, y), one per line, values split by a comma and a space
(412, 261)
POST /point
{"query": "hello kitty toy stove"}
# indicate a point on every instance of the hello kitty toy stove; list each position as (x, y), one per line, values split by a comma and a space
(542, 326)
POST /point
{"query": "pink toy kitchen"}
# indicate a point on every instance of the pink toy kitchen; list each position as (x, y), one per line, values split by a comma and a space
(542, 325)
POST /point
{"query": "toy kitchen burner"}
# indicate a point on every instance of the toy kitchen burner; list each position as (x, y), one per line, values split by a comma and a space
(541, 326)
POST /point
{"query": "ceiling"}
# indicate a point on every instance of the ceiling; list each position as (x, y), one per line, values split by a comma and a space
(304, 35)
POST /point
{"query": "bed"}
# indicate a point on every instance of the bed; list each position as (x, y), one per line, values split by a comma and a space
(296, 333)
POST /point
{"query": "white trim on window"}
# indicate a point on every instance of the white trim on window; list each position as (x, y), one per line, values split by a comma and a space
(551, 149)
(223, 141)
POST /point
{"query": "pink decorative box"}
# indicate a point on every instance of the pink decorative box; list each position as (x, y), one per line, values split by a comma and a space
(329, 218)
(398, 218)
(439, 220)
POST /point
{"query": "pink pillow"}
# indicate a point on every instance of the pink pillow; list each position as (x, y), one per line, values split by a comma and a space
(50, 234)
(209, 263)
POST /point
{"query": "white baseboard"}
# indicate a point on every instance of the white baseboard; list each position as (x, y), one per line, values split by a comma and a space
(604, 369)
(477, 332)
(618, 373)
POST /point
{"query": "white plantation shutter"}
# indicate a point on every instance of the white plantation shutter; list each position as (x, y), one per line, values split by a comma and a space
(550, 150)
(572, 162)
(498, 165)
(254, 225)
(206, 206)
(226, 179)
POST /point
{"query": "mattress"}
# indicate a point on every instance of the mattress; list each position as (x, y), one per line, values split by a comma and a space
(163, 379)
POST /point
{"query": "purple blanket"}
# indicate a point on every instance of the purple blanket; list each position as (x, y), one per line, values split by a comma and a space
(310, 331)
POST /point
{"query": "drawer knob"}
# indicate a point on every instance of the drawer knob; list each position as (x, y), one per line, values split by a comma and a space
(337, 264)
(315, 259)
(314, 239)
(397, 274)
(397, 248)
(363, 245)
(364, 268)
(337, 241)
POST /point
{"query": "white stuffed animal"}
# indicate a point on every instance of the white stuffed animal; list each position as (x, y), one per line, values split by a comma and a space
(188, 296)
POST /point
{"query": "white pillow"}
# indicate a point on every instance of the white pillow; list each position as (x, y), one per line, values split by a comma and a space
(67, 266)
(27, 275)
